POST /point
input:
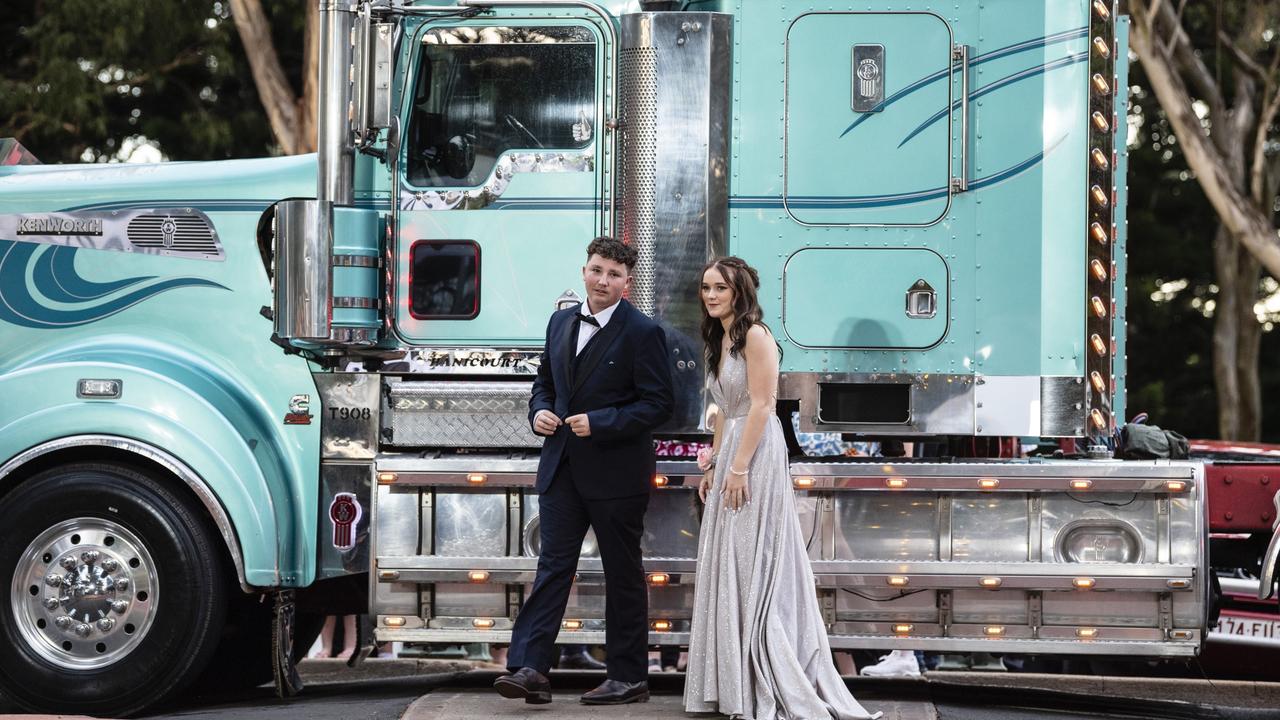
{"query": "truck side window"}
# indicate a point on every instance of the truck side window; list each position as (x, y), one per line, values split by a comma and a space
(444, 279)
(483, 91)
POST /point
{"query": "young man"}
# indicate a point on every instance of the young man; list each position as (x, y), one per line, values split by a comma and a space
(604, 384)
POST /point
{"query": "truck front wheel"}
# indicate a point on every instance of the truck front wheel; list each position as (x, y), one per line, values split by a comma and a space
(116, 597)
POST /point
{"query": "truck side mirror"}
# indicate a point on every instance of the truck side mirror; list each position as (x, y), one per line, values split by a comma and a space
(372, 71)
(459, 157)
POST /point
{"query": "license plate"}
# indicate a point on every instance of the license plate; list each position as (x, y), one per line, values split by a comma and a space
(1236, 626)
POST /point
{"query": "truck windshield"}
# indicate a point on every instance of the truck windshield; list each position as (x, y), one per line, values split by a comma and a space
(483, 91)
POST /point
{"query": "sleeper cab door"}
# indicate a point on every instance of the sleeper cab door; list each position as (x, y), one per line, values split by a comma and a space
(868, 144)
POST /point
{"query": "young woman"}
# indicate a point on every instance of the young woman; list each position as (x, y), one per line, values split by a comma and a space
(759, 646)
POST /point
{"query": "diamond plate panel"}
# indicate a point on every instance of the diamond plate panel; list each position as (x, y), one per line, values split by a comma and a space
(452, 414)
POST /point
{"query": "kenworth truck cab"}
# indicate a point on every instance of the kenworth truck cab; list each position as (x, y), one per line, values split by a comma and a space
(236, 390)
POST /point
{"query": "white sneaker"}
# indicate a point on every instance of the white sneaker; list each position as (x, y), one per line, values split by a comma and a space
(899, 663)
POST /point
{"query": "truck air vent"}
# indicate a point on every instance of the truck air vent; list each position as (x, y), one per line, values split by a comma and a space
(174, 233)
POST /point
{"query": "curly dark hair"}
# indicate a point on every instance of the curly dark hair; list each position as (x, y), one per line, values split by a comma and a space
(745, 282)
(613, 249)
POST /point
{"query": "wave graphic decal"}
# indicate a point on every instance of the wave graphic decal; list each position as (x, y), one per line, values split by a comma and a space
(54, 278)
(1002, 82)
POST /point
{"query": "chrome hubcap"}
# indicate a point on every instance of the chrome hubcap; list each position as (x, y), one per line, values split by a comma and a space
(84, 593)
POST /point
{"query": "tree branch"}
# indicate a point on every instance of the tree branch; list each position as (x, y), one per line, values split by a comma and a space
(1243, 58)
(273, 88)
(1238, 214)
(1258, 163)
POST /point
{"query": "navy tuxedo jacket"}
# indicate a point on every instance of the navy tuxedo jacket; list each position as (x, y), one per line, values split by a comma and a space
(622, 381)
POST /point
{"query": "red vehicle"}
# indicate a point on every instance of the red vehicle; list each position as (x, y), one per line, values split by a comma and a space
(1243, 480)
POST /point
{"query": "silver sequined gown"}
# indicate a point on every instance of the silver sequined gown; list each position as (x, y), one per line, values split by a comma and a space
(759, 646)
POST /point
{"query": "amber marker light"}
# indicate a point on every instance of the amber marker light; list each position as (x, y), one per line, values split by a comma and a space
(386, 478)
(993, 630)
(1180, 635)
(804, 482)
(990, 582)
(1178, 584)
(571, 624)
(1099, 195)
(478, 576)
(1098, 344)
(1099, 307)
(1101, 46)
(1083, 583)
(1099, 233)
(388, 574)
(659, 578)
(1095, 379)
(476, 478)
(1098, 269)
(482, 623)
(1100, 83)
(660, 480)
(898, 580)
(1081, 484)
(1086, 633)
(896, 482)
(988, 483)
(1175, 485)
(393, 621)
(661, 625)
(1100, 8)
(1099, 420)
(903, 628)
(1100, 121)
(1100, 159)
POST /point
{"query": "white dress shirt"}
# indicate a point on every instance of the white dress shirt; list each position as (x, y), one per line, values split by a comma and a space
(586, 331)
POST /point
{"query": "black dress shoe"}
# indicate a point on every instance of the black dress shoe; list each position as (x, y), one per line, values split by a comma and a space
(525, 683)
(580, 661)
(614, 692)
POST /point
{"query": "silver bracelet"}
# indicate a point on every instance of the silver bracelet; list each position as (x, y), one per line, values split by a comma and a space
(735, 472)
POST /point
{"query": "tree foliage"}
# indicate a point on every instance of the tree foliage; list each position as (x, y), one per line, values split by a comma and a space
(79, 78)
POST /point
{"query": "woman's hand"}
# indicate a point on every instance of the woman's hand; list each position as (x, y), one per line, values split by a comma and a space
(736, 493)
(708, 482)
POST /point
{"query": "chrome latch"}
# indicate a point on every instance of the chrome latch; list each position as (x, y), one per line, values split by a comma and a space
(922, 300)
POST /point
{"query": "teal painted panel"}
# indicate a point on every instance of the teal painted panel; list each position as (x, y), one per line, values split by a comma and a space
(856, 298)
(847, 167)
(1120, 253)
(202, 379)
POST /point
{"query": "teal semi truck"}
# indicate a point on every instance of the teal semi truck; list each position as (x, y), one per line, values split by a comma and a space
(233, 394)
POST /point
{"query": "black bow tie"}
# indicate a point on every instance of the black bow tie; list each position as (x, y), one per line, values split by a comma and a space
(586, 319)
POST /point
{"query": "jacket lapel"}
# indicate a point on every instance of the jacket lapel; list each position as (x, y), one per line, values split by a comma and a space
(599, 345)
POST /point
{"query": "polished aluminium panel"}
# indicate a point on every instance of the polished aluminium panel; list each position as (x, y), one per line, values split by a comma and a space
(956, 404)
(470, 524)
(395, 526)
(303, 283)
(1007, 405)
(886, 527)
(349, 415)
(457, 415)
(1062, 411)
(1112, 609)
(1133, 512)
(673, 181)
(168, 232)
(985, 606)
(940, 404)
(989, 527)
(351, 479)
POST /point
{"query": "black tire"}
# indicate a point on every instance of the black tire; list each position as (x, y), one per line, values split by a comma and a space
(165, 635)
